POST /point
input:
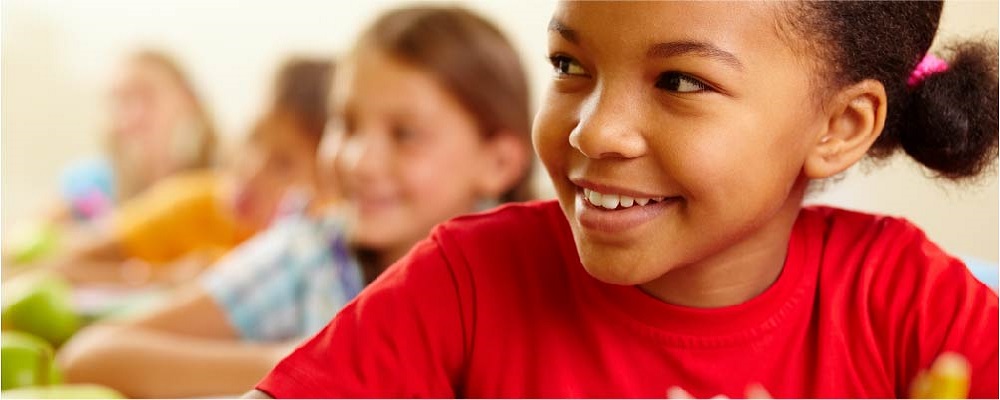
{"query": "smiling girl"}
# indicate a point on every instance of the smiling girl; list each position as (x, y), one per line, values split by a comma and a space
(430, 120)
(681, 140)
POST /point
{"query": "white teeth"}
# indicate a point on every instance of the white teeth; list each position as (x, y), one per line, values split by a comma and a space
(609, 201)
(613, 201)
(594, 197)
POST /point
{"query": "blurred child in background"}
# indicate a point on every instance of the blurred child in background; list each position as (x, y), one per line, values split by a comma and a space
(183, 223)
(158, 127)
(431, 120)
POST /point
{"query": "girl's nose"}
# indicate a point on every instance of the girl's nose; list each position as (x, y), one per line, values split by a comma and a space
(608, 126)
(363, 156)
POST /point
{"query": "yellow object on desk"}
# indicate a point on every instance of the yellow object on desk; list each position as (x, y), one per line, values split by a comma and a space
(948, 378)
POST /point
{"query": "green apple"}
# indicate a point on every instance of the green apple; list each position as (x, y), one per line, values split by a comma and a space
(39, 303)
(31, 243)
(26, 361)
(76, 391)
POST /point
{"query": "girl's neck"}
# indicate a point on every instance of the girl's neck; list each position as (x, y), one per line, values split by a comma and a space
(374, 262)
(370, 262)
(738, 273)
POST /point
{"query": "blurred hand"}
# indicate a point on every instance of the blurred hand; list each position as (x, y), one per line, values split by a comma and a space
(753, 391)
(948, 378)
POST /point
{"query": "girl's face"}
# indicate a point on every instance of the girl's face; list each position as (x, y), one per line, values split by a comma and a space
(150, 108)
(408, 155)
(146, 100)
(675, 135)
(278, 158)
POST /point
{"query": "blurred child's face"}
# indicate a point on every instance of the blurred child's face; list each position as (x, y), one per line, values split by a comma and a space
(148, 108)
(674, 135)
(408, 153)
(146, 99)
(280, 157)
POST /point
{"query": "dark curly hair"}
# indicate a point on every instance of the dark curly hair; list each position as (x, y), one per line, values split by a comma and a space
(947, 122)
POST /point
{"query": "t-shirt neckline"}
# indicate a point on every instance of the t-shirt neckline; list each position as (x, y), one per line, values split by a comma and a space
(673, 324)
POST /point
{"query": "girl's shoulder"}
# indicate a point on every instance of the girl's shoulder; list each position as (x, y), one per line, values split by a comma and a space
(883, 258)
(533, 236)
(513, 228)
(524, 218)
(899, 293)
(848, 230)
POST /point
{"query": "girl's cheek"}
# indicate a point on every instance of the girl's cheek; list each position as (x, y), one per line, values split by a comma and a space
(345, 161)
(551, 133)
(429, 175)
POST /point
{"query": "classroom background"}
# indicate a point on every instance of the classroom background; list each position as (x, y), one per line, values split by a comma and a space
(57, 58)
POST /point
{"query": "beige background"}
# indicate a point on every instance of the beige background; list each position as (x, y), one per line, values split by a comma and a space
(57, 57)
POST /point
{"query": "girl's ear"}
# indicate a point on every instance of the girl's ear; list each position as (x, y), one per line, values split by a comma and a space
(505, 158)
(856, 117)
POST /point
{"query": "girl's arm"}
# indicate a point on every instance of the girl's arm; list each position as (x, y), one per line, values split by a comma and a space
(187, 348)
(256, 394)
(96, 260)
(108, 265)
(147, 363)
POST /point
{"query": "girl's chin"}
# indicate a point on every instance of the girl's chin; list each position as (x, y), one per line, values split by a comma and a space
(373, 239)
(616, 276)
(608, 267)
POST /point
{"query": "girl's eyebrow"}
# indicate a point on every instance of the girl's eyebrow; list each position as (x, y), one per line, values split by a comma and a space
(703, 49)
(566, 32)
(663, 50)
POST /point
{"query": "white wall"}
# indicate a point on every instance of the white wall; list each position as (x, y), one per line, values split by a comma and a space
(56, 57)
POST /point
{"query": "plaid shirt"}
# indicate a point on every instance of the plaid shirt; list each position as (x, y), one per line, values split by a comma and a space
(288, 281)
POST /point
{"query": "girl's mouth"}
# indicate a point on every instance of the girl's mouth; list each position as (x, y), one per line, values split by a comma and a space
(618, 202)
(606, 213)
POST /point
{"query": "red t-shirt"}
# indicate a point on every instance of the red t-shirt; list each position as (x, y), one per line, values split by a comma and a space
(498, 305)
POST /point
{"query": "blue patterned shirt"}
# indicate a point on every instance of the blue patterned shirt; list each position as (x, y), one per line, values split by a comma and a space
(288, 281)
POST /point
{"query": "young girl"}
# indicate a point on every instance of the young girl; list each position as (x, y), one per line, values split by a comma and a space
(183, 223)
(431, 120)
(681, 139)
(158, 127)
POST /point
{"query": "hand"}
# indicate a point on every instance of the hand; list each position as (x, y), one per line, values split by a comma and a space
(948, 378)
(753, 391)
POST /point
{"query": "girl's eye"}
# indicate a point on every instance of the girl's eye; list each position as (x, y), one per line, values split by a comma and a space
(280, 164)
(678, 82)
(402, 134)
(564, 65)
(340, 125)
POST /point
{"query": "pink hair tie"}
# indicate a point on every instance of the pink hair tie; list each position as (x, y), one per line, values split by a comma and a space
(930, 65)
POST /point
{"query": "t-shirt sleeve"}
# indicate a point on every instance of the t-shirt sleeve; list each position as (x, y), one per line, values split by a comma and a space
(173, 218)
(403, 336)
(258, 286)
(950, 311)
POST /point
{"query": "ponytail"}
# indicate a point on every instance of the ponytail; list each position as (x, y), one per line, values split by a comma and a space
(947, 120)
(949, 123)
